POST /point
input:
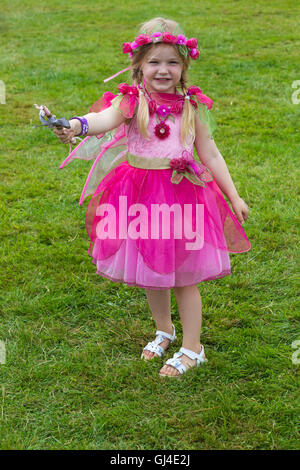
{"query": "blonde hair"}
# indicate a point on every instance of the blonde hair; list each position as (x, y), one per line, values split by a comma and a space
(187, 131)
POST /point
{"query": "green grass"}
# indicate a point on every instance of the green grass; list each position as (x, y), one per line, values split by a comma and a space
(73, 378)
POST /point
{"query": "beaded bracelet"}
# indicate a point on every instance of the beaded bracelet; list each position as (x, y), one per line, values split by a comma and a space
(84, 125)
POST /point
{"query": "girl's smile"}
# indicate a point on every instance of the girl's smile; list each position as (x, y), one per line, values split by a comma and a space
(162, 69)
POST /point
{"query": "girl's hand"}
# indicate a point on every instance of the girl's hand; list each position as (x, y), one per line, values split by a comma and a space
(240, 208)
(66, 135)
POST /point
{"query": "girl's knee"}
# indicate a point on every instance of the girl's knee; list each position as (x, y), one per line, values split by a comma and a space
(183, 289)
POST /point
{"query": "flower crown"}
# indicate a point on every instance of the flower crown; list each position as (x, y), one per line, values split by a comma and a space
(185, 46)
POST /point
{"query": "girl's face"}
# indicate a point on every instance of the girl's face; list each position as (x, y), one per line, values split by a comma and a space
(162, 69)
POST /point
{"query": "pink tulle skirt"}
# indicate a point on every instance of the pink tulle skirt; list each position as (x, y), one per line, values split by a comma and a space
(149, 232)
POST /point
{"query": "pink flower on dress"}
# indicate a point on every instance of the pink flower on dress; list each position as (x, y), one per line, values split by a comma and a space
(125, 89)
(162, 130)
(163, 111)
(126, 47)
(192, 43)
(142, 39)
(179, 164)
(181, 39)
(169, 38)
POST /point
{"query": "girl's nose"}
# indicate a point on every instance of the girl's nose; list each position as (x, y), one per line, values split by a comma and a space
(163, 69)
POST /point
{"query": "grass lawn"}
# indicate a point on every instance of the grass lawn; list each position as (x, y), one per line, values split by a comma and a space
(73, 378)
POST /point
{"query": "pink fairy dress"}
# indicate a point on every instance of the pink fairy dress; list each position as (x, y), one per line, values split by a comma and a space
(156, 219)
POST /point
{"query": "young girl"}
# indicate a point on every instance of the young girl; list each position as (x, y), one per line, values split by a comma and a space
(157, 218)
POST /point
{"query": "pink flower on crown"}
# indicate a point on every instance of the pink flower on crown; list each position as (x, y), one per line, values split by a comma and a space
(192, 43)
(156, 37)
(134, 45)
(181, 39)
(169, 38)
(142, 39)
(127, 47)
(194, 53)
(166, 37)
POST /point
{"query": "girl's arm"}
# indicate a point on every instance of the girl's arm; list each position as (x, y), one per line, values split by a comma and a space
(213, 160)
(99, 123)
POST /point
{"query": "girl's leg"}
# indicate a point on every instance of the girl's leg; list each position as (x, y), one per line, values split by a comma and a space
(190, 310)
(160, 305)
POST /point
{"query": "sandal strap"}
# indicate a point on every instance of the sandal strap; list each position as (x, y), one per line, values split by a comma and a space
(167, 335)
(200, 358)
(154, 346)
(175, 362)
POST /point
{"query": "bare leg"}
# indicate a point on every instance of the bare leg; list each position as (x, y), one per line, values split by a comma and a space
(190, 310)
(160, 306)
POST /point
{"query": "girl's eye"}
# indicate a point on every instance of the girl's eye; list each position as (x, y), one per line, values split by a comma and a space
(156, 62)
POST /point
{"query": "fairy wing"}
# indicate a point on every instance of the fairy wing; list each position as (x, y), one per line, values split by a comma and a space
(90, 147)
(203, 105)
(109, 149)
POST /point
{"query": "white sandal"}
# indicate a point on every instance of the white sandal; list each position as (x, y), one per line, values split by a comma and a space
(154, 346)
(178, 365)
